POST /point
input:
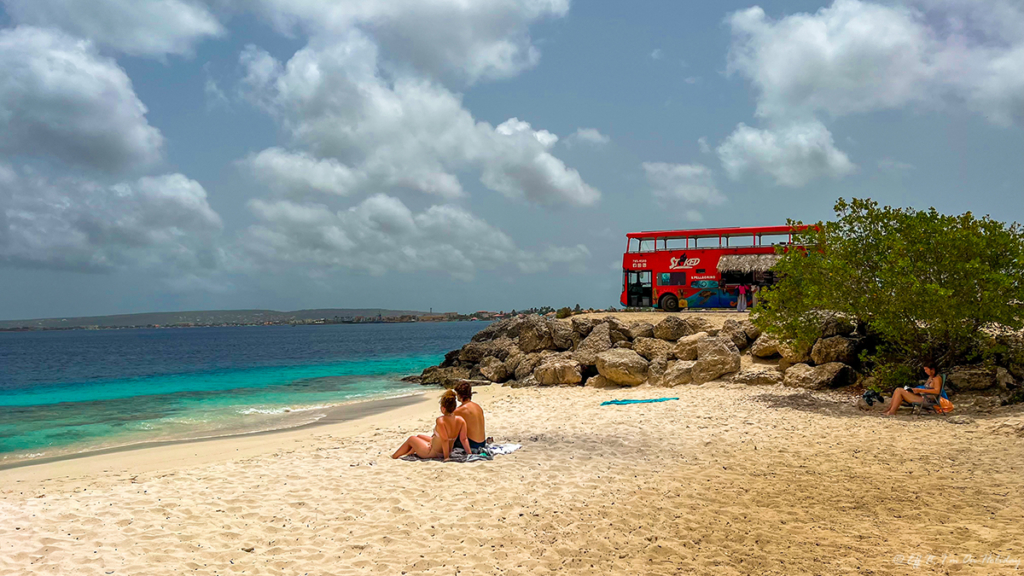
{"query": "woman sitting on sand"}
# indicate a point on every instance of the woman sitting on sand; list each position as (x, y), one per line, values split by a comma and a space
(447, 429)
(913, 396)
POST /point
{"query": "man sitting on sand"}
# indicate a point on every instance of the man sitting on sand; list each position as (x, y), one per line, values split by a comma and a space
(473, 414)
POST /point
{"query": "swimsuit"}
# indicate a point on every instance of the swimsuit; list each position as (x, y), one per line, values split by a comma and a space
(474, 445)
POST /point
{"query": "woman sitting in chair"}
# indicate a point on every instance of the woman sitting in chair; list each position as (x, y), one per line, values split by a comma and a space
(916, 395)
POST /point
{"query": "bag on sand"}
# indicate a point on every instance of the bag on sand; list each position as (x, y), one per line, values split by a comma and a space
(944, 406)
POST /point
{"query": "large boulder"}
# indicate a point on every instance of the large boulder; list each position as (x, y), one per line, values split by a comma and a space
(623, 344)
(535, 335)
(493, 369)
(716, 356)
(641, 330)
(835, 349)
(450, 359)
(598, 341)
(555, 370)
(623, 367)
(512, 362)
(656, 370)
(753, 332)
(793, 353)
(615, 324)
(617, 336)
(507, 328)
(650, 348)
(832, 325)
(444, 376)
(757, 376)
(528, 363)
(672, 328)
(766, 346)
(975, 377)
(561, 335)
(678, 372)
(598, 381)
(734, 331)
(686, 347)
(700, 324)
(582, 326)
(831, 375)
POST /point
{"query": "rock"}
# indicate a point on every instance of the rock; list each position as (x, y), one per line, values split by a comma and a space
(831, 375)
(753, 332)
(686, 347)
(535, 335)
(650, 348)
(512, 362)
(443, 376)
(766, 346)
(678, 372)
(833, 325)
(975, 377)
(835, 349)
(623, 367)
(561, 335)
(616, 324)
(494, 369)
(623, 344)
(793, 353)
(598, 341)
(527, 364)
(450, 359)
(672, 328)
(507, 328)
(555, 370)
(527, 382)
(699, 324)
(656, 370)
(582, 326)
(715, 357)
(617, 336)
(758, 376)
(474, 352)
(641, 330)
(599, 381)
(1004, 379)
(413, 379)
(472, 382)
(733, 330)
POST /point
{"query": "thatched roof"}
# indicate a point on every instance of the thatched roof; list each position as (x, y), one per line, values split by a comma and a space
(747, 263)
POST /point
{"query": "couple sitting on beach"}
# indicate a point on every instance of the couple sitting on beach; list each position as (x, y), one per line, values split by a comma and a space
(457, 426)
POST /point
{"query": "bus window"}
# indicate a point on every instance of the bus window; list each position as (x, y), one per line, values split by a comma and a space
(672, 279)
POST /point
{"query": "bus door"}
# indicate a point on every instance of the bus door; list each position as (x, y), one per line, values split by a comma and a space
(638, 288)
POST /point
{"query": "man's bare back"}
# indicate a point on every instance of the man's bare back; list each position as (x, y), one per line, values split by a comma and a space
(473, 414)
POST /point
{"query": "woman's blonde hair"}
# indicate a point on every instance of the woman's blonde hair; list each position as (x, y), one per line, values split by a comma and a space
(448, 402)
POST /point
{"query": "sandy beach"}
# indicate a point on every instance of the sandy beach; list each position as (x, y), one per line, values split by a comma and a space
(727, 480)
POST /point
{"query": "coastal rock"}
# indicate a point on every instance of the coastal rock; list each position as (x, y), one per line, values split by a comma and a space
(656, 370)
(700, 324)
(493, 369)
(835, 349)
(833, 325)
(528, 363)
(686, 347)
(623, 344)
(623, 367)
(650, 348)
(641, 330)
(535, 335)
(582, 326)
(672, 328)
(975, 377)
(598, 341)
(512, 362)
(615, 324)
(733, 330)
(753, 332)
(507, 328)
(766, 346)
(1004, 379)
(831, 375)
(678, 372)
(715, 357)
(793, 353)
(555, 370)
(450, 359)
(757, 376)
(561, 335)
(616, 336)
(443, 376)
(599, 381)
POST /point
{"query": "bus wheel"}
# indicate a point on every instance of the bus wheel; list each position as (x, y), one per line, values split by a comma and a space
(669, 303)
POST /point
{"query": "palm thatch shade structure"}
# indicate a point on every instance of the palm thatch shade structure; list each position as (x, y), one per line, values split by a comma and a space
(747, 263)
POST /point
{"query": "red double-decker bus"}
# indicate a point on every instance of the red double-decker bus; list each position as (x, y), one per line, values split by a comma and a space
(678, 269)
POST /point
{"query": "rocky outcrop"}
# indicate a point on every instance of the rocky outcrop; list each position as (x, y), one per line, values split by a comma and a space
(672, 328)
(535, 335)
(766, 346)
(528, 364)
(678, 372)
(753, 332)
(656, 370)
(835, 349)
(650, 348)
(758, 376)
(558, 370)
(596, 342)
(641, 330)
(444, 376)
(508, 328)
(582, 326)
(623, 344)
(716, 356)
(972, 377)
(599, 381)
(734, 331)
(494, 369)
(623, 367)
(793, 353)
(686, 347)
(831, 375)
(561, 335)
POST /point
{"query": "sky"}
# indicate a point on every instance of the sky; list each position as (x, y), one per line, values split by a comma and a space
(458, 155)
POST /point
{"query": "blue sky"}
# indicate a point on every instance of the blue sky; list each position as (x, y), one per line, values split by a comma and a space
(181, 154)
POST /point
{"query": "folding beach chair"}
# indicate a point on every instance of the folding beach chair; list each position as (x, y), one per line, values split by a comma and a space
(932, 403)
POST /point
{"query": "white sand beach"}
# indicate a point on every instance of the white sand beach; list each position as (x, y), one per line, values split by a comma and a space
(727, 480)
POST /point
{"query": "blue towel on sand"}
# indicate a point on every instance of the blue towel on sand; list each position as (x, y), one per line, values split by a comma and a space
(623, 402)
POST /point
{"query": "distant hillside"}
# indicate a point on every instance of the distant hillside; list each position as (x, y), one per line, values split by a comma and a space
(204, 317)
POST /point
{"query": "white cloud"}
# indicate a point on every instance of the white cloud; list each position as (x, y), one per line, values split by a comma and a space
(162, 223)
(136, 27)
(298, 172)
(793, 155)
(854, 57)
(446, 39)
(656, 54)
(59, 98)
(404, 133)
(381, 234)
(703, 143)
(683, 186)
(588, 136)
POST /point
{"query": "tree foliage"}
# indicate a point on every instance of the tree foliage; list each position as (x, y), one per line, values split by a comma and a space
(922, 284)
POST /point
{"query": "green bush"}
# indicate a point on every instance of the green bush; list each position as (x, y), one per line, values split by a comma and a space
(563, 312)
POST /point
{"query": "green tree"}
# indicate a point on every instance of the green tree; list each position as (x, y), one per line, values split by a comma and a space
(922, 284)
(564, 312)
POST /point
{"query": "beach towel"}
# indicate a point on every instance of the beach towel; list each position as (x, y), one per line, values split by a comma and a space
(623, 402)
(458, 455)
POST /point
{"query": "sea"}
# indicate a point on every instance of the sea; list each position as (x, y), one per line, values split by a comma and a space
(73, 392)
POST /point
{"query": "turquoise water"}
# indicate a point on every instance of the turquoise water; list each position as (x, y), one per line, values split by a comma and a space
(65, 392)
